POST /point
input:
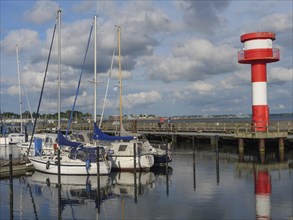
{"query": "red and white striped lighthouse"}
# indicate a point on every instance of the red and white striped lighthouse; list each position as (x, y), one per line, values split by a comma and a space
(258, 51)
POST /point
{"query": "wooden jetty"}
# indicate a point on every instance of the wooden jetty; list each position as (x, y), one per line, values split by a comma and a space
(212, 129)
(14, 167)
(223, 128)
(239, 130)
(233, 130)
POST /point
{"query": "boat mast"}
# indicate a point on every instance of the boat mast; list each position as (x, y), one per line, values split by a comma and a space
(59, 102)
(19, 89)
(59, 68)
(120, 75)
(95, 69)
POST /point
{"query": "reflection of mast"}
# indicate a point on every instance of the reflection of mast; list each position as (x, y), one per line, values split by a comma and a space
(263, 191)
(194, 165)
(33, 201)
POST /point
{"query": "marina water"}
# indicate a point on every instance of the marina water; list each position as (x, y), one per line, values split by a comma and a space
(200, 184)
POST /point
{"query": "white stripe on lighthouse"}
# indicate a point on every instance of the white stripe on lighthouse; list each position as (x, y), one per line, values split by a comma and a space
(263, 206)
(259, 93)
(258, 44)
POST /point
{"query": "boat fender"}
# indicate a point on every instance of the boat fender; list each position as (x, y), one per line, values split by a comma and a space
(48, 164)
(48, 181)
(88, 164)
(55, 146)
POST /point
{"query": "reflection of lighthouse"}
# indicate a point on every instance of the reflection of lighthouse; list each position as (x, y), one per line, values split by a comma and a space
(263, 191)
(258, 51)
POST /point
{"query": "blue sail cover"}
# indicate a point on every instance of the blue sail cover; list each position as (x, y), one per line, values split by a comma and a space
(63, 141)
(100, 135)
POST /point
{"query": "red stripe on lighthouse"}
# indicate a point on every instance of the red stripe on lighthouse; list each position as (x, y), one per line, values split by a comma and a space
(260, 117)
(259, 72)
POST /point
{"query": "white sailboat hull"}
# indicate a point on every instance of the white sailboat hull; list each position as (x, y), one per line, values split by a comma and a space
(49, 165)
(143, 162)
(122, 153)
(4, 141)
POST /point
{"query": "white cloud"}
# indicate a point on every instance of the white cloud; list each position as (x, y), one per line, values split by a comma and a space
(84, 6)
(280, 75)
(25, 39)
(136, 100)
(124, 74)
(201, 87)
(236, 79)
(141, 98)
(276, 22)
(42, 12)
(194, 59)
(205, 17)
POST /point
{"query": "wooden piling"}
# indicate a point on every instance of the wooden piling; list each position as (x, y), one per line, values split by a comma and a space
(194, 166)
(281, 149)
(174, 139)
(59, 167)
(241, 149)
(262, 150)
(217, 164)
(98, 199)
(11, 185)
(10, 169)
(135, 183)
(134, 157)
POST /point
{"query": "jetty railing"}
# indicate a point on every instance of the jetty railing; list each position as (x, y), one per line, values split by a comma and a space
(178, 126)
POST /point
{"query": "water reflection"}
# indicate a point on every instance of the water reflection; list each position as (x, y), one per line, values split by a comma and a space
(261, 165)
(202, 185)
(74, 190)
(263, 191)
(262, 188)
(128, 184)
(80, 190)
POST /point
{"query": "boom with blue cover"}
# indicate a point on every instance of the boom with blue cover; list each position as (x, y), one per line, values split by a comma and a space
(63, 141)
(100, 135)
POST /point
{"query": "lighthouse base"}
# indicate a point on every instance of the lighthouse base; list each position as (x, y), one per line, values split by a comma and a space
(260, 118)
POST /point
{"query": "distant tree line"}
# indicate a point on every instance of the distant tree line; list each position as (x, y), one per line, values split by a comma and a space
(77, 115)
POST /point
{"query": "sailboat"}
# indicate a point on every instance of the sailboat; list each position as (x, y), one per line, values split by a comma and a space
(126, 152)
(75, 158)
(160, 150)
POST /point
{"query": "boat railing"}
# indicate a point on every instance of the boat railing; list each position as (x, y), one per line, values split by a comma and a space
(159, 145)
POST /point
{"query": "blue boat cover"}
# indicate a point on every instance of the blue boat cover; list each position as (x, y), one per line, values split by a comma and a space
(100, 135)
(63, 141)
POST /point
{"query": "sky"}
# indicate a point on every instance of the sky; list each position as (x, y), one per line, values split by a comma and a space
(178, 58)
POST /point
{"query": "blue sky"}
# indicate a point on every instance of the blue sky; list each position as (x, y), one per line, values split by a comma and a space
(178, 57)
